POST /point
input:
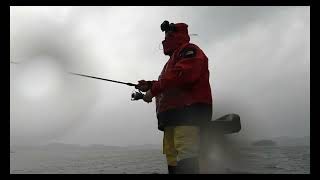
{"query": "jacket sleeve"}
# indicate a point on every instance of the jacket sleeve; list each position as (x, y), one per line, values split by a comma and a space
(185, 72)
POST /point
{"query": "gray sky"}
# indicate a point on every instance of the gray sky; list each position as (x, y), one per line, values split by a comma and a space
(259, 60)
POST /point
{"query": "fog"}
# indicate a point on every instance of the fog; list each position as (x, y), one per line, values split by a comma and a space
(259, 62)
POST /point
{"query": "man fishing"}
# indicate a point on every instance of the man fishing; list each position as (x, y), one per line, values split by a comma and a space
(183, 100)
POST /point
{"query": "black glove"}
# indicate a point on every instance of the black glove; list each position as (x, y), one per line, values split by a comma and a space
(143, 85)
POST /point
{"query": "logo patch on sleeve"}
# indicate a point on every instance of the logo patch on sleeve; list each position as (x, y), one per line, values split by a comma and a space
(188, 53)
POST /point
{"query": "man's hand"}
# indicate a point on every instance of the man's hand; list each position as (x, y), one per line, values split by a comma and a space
(143, 85)
(148, 97)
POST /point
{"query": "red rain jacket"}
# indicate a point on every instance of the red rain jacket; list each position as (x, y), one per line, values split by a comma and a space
(184, 80)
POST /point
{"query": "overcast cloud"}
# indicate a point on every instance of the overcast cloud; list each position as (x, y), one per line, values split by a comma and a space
(259, 60)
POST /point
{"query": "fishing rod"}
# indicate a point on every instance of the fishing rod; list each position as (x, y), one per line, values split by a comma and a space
(134, 96)
(129, 84)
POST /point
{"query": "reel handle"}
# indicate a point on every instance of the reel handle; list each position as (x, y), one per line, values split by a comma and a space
(136, 95)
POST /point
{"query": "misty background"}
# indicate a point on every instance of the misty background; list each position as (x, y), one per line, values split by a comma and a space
(259, 60)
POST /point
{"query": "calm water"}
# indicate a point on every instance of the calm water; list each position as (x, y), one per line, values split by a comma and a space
(275, 160)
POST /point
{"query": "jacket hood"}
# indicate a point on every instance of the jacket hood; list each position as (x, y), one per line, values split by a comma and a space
(176, 38)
